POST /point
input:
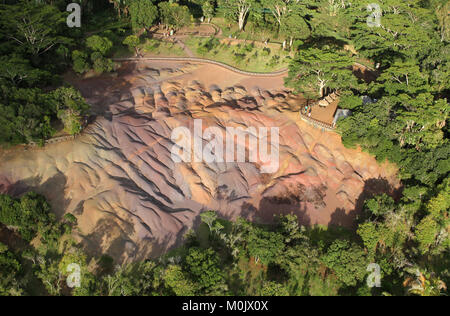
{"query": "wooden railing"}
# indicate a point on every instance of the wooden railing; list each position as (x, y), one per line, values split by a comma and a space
(316, 123)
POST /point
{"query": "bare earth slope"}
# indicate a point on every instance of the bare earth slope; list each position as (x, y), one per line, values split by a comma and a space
(133, 201)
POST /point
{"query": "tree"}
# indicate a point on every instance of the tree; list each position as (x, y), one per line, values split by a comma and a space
(101, 64)
(132, 41)
(143, 14)
(333, 18)
(419, 116)
(122, 282)
(347, 261)
(176, 281)
(26, 115)
(71, 109)
(17, 71)
(315, 69)
(203, 265)
(438, 207)
(289, 15)
(264, 245)
(288, 226)
(80, 63)
(442, 8)
(209, 218)
(426, 232)
(278, 8)
(9, 272)
(71, 258)
(271, 288)
(34, 27)
(122, 6)
(100, 47)
(238, 10)
(380, 204)
(29, 214)
(174, 15)
(294, 27)
(99, 44)
(406, 29)
(208, 9)
(424, 284)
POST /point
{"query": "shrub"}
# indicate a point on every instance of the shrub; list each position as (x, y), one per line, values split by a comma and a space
(70, 107)
(265, 52)
(72, 121)
(274, 61)
(99, 44)
(238, 58)
(80, 63)
(101, 64)
(248, 48)
(132, 41)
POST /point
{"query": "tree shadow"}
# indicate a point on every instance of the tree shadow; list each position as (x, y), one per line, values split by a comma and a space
(320, 41)
(52, 189)
(342, 218)
(270, 207)
(372, 187)
(103, 90)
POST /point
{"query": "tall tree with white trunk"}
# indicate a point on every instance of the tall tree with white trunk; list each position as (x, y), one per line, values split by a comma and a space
(238, 10)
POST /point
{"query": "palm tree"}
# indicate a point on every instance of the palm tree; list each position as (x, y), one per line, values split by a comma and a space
(424, 284)
(121, 6)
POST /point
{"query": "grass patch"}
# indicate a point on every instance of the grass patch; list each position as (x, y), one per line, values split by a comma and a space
(245, 56)
(251, 31)
(156, 47)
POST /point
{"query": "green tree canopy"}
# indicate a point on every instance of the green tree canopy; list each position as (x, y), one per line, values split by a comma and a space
(143, 14)
(315, 69)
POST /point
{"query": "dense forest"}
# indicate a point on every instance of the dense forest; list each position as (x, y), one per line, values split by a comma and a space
(407, 124)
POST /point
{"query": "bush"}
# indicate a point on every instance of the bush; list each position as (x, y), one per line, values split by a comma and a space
(347, 261)
(132, 41)
(238, 58)
(99, 44)
(274, 61)
(71, 107)
(71, 120)
(248, 48)
(265, 52)
(101, 64)
(70, 218)
(80, 63)
(208, 46)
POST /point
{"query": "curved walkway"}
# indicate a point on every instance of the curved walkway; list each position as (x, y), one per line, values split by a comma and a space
(208, 61)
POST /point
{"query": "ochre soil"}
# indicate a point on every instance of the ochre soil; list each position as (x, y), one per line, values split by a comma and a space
(133, 201)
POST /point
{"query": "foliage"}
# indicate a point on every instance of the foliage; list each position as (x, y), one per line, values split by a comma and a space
(10, 269)
(29, 214)
(80, 63)
(177, 281)
(203, 266)
(99, 44)
(408, 125)
(264, 245)
(315, 69)
(347, 261)
(143, 14)
(174, 15)
(71, 108)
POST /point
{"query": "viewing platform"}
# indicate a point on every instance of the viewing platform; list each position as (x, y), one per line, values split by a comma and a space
(321, 114)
